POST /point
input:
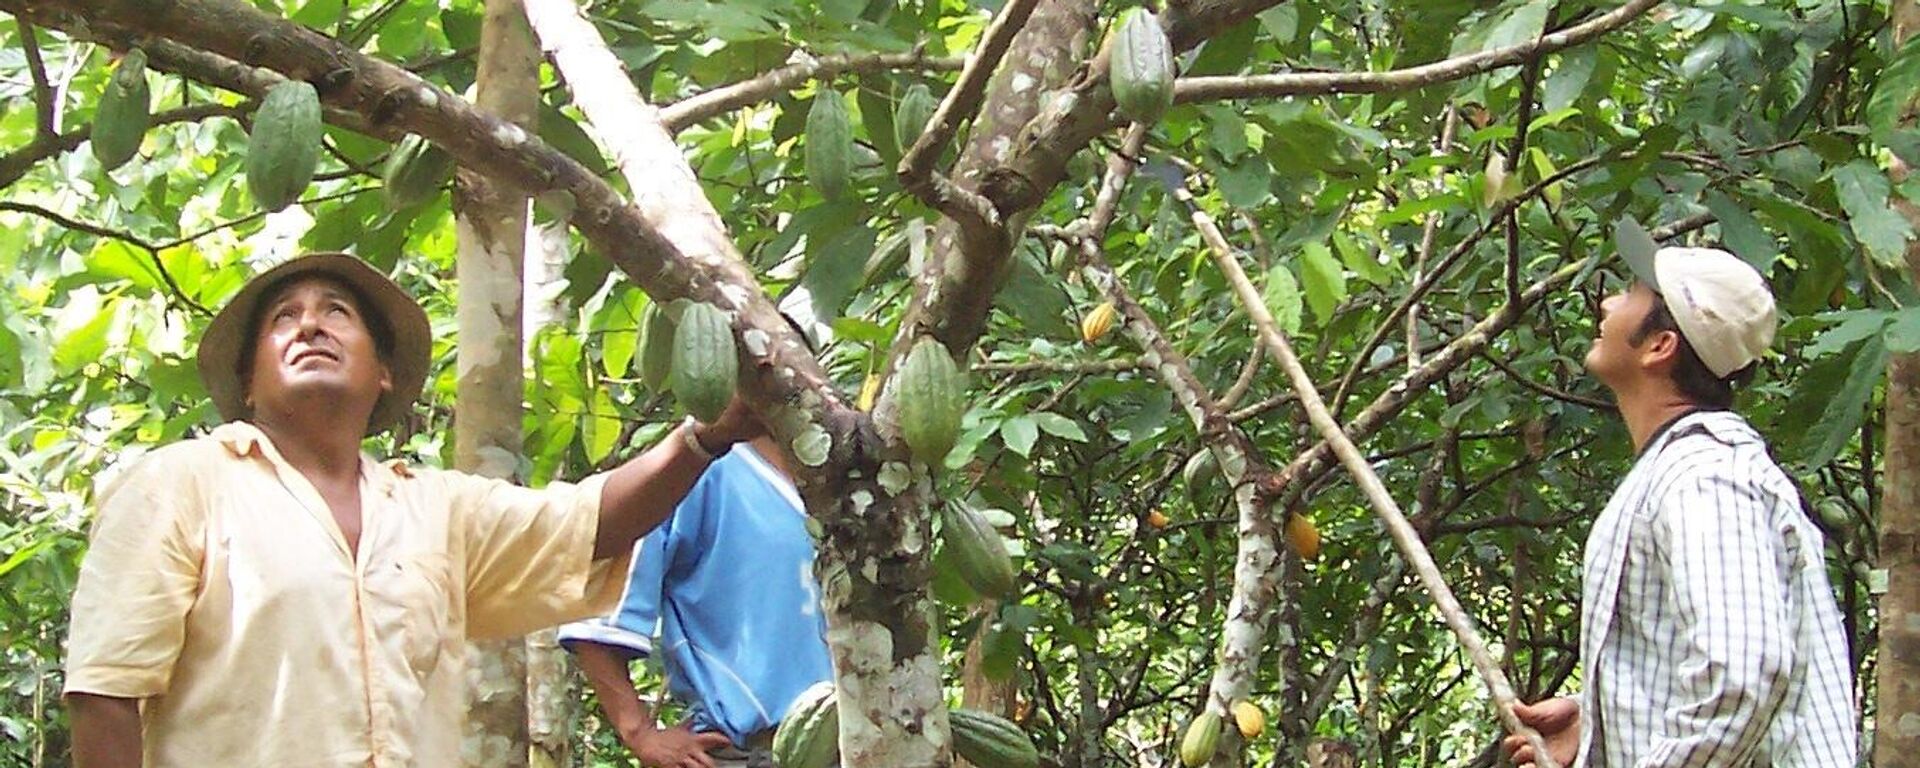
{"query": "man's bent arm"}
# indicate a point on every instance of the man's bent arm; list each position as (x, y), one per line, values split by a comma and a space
(106, 731)
(644, 491)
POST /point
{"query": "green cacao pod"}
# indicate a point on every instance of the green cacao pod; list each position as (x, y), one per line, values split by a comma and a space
(911, 116)
(829, 145)
(932, 397)
(284, 148)
(1141, 68)
(705, 361)
(1203, 734)
(809, 734)
(978, 552)
(415, 172)
(656, 347)
(988, 740)
(122, 119)
(1200, 472)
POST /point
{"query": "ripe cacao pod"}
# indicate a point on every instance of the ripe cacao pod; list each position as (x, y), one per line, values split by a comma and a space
(1098, 322)
(1158, 520)
(979, 553)
(1141, 68)
(809, 734)
(1203, 734)
(656, 347)
(284, 148)
(415, 172)
(932, 397)
(1303, 537)
(869, 391)
(829, 149)
(123, 116)
(910, 118)
(986, 740)
(1249, 719)
(706, 363)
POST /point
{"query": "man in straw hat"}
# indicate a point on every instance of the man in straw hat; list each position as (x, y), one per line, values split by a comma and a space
(269, 595)
(1708, 633)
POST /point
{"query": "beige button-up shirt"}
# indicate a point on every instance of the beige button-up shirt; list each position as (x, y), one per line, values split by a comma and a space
(220, 591)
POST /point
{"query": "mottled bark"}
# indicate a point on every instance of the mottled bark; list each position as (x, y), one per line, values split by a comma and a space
(1897, 711)
(490, 222)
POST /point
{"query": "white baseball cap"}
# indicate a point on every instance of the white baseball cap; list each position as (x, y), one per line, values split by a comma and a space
(1721, 303)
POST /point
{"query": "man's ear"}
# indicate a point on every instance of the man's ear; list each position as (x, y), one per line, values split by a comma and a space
(386, 378)
(1662, 350)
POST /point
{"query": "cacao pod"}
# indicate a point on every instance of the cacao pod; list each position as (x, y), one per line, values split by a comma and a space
(1249, 719)
(978, 552)
(415, 172)
(656, 347)
(284, 148)
(1098, 322)
(706, 363)
(1158, 520)
(1303, 537)
(1203, 734)
(910, 118)
(1200, 472)
(809, 734)
(123, 116)
(829, 149)
(1141, 68)
(985, 740)
(869, 391)
(932, 398)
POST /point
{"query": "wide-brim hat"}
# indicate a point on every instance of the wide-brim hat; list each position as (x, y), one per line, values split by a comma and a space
(1721, 303)
(226, 336)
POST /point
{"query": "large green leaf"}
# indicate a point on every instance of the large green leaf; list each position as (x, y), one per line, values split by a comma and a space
(1324, 279)
(1863, 193)
(1846, 409)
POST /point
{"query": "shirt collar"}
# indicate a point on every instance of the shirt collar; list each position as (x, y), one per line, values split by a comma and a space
(243, 439)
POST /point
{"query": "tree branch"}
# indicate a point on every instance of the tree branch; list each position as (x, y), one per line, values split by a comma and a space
(677, 116)
(964, 98)
(1194, 89)
(1121, 365)
(16, 164)
(46, 122)
(153, 251)
(1553, 392)
(1429, 231)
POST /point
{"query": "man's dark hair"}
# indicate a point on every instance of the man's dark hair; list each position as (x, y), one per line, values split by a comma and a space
(377, 325)
(1690, 375)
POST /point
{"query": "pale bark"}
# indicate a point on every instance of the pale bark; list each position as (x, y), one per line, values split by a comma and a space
(710, 104)
(490, 222)
(1897, 710)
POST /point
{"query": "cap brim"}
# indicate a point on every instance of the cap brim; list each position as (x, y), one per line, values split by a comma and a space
(221, 345)
(1636, 248)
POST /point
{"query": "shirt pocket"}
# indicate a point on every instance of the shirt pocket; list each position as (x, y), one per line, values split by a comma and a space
(419, 591)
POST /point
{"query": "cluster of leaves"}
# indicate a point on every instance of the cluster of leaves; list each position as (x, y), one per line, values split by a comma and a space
(1775, 120)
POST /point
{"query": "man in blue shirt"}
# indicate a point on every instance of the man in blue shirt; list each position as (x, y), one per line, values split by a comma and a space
(723, 592)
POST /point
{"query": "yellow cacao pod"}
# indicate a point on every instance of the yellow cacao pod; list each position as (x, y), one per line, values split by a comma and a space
(1098, 322)
(1158, 520)
(1303, 537)
(1249, 719)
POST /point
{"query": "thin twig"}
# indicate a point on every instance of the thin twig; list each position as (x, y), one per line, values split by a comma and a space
(1429, 232)
(1555, 393)
(1192, 89)
(46, 119)
(693, 109)
(1121, 365)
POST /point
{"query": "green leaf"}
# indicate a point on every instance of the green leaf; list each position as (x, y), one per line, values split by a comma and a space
(1248, 183)
(620, 332)
(1364, 264)
(1903, 335)
(1282, 295)
(85, 320)
(603, 426)
(1034, 296)
(1854, 326)
(1882, 230)
(1569, 78)
(1895, 94)
(1020, 432)
(1742, 232)
(1325, 281)
(835, 268)
(1060, 426)
(1282, 22)
(1844, 413)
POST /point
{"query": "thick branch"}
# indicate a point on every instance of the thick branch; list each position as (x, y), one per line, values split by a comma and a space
(1304, 83)
(964, 99)
(719, 101)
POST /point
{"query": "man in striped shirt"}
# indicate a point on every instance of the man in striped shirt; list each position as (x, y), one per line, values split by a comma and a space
(1708, 633)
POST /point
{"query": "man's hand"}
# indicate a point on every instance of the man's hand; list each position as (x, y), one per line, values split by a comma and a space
(736, 424)
(676, 747)
(1558, 721)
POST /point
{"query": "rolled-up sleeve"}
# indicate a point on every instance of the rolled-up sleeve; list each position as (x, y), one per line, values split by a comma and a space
(1731, 599)
(137, 582)
(529, 554)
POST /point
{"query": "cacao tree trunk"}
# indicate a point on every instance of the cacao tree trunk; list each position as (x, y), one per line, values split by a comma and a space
(491, 225)
(1897, 710)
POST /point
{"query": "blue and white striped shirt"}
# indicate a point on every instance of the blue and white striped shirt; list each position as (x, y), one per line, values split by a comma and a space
(1709, 634)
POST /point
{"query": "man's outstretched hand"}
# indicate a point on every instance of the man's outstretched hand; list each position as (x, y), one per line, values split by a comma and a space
(1558, 721)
